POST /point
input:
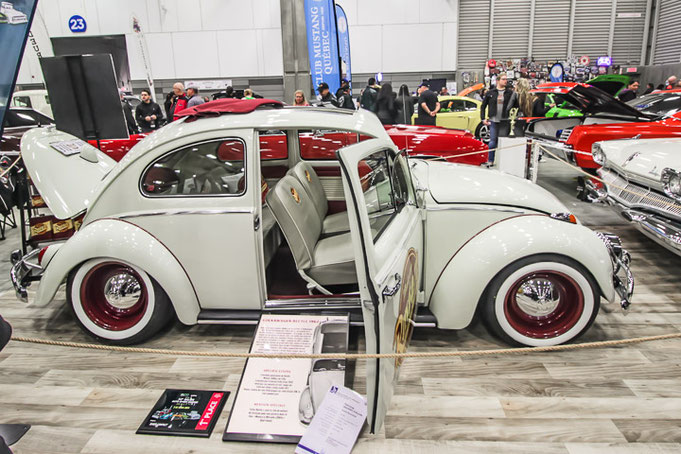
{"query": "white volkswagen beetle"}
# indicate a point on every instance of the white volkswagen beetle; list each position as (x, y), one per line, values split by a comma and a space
(196, 222)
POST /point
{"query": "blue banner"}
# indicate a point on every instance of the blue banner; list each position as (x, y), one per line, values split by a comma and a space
(343, 43)
(15, 23)
(322, 43)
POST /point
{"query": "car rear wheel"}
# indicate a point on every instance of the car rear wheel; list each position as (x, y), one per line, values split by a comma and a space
(117, 302)
(541, 300)
(482, 132)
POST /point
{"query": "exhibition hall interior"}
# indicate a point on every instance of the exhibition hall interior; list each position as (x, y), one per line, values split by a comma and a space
(334, 226)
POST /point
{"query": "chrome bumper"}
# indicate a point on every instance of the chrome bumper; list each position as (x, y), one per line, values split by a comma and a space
(23, 272)
(664, 231)
(622, 278)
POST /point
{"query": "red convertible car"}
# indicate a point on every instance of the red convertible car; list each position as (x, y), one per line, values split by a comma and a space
(452, 145)
(655, 115)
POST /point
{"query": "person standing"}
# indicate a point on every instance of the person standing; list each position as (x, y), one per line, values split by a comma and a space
(649, 89)
(179, 101)
(444, 91)
(498, 102)
(405, 106)
(345, 100)
(428, 106)
(385, 105)
(326, 98)
(299, 99)
(193, 98)
(343, 85)
(148, 113)
(629, 93)
(669, 83)
(367, 98)
(127, 112)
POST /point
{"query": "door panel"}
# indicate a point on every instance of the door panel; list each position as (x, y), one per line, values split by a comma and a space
(387, 234)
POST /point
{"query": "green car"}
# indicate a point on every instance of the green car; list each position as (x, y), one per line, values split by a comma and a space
(609, 83)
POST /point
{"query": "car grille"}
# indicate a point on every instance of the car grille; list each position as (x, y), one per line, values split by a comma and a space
(631, 194)
(565, 135)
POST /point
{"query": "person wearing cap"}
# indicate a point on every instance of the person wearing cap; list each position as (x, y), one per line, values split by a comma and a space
(193, 97)
(344, 84)
(367, 97)
(325, 97)
(179, 101)
(428, 106)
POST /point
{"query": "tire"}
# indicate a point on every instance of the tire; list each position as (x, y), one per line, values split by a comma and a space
(120, 319)
(482, 133)
(574, 303)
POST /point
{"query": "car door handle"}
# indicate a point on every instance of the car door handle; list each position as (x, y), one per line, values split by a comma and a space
(391, 291)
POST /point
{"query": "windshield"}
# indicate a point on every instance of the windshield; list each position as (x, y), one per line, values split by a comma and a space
(661, 104)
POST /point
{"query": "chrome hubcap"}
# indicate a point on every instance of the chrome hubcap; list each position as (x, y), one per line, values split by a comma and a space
(538, 297)
(122, 291)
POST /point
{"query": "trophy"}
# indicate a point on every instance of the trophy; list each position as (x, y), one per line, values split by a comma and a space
(512, 115)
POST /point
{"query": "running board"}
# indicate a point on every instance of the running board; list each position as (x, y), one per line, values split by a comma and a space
(424, 318)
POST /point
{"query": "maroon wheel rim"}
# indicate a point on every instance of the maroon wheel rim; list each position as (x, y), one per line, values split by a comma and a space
(553, 323)
(99, 309)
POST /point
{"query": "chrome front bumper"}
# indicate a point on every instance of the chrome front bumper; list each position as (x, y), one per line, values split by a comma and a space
(664, 231)
(24, 271)
(622, 278)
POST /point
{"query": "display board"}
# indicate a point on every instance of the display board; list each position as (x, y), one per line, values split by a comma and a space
(184, 412)
(84, 96)
(277, 398)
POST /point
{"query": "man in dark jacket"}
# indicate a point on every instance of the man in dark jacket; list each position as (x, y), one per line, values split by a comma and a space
(148, 113)
(325, 98)
(629, 93)
(498, 102)
(367, 98)
(345, 100)
(428, 106)
(127, 112)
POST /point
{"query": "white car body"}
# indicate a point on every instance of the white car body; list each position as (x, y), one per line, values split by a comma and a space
(12, 16)
(634, 174)
(458, 235)
(36, 99)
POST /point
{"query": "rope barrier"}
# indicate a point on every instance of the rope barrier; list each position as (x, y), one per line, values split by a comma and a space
(16, 161)
(430, 354)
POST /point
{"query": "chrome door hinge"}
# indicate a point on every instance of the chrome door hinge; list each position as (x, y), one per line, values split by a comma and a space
(391, 291)
(256, 223)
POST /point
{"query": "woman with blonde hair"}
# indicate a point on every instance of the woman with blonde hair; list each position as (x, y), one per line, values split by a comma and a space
(248, 94)
(525, 98)
(299, 99)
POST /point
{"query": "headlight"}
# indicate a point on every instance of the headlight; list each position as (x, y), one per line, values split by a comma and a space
(672, 183)
(597, 152)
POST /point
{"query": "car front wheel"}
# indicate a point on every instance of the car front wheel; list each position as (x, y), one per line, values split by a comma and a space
(540, 301)
(117, 302)
(482, 132)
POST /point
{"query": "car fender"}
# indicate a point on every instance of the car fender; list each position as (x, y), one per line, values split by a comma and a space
(122, 240)
(461, 284)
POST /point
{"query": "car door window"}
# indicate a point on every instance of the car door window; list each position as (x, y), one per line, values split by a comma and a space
(22, 101)
(471, 105)
(209, 168)
(386, 188)
(321, 145)
(273, 144)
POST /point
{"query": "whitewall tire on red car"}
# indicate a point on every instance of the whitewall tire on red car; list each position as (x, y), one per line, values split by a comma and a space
(117, 302)
(540, 301)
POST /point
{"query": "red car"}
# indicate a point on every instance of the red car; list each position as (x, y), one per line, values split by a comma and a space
(452, 145)
(655, 115)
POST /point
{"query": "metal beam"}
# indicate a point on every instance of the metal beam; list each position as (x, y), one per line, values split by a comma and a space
(611, 34)
(655, 24)
(530, 41)
(294, 49)
(646, 30)
(490, 40)
(571, 27)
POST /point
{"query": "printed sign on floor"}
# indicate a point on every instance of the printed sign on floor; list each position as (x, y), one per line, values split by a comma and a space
(277, 398)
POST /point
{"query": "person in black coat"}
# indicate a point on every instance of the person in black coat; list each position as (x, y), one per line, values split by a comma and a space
(385, 107)
(405, 106)
(148, 113)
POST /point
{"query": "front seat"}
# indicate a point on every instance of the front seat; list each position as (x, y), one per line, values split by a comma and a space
(326, 261)
(333, 223)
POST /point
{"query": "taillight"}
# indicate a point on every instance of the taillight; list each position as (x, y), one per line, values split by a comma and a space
(40, 255)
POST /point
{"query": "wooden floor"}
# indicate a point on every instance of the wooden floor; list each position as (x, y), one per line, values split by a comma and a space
(618, 400)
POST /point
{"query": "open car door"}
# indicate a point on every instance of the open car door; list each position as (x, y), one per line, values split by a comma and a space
(387, 235)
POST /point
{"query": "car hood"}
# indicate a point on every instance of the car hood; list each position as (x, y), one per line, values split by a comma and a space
(643, 159)
(591, 100)
(459, 184)
(430, 130)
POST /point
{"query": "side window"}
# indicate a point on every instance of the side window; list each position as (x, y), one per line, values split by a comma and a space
(386, 188)
(471, 105)
(273, 144)
(22, 101)
(320, 145)
(205, 169)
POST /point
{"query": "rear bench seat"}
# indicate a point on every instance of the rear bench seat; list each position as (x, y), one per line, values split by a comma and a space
(327, 261)
(331, 224)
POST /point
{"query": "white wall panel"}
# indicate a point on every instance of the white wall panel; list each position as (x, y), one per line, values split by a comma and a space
(437, 10)
(153, 17)
(51, 15)
(161, 55)
(226, 14)
(135, 58)
(238, 53)
(266, 13)
(449, 46)
(365, 48)
(188, 14)
(116, 17)
(195, 54)
(350, 8)
(404, 50)
(270, 43)
(84, 8)
(374, 12)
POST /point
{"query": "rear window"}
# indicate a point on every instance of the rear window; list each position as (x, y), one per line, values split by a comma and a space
(273, 145)
(661, 104)
(321, 145)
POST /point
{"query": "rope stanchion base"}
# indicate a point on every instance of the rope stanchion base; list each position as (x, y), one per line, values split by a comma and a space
(425, 355)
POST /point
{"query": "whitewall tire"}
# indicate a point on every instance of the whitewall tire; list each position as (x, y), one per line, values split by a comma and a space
(540, 301)
(117, 302)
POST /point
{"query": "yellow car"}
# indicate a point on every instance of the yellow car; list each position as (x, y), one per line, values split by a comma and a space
(460, 112)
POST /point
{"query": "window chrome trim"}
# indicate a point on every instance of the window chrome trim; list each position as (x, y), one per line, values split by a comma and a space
(177, 150)
(144, 214)
(294, 304)
(478, 208)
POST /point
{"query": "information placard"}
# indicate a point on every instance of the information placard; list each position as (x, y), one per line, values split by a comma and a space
(277, 398)
(184, 412)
